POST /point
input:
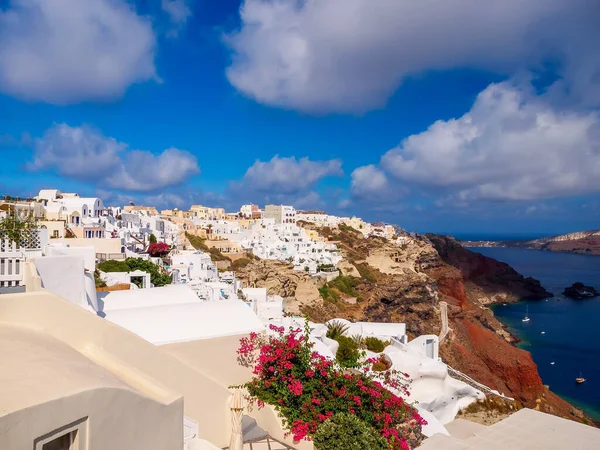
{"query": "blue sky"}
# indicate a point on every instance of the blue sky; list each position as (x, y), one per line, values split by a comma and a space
(438, 116)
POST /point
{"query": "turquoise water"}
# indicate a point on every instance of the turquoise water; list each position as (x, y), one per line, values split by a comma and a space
(572, 327)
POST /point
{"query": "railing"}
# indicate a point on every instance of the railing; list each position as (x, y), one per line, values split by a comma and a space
(476, 384)
(444, 314)
(406, 348)
(15, 247)
(110, 256)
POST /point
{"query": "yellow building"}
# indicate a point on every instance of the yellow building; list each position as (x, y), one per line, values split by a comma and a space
(206, 213)
(148, 209)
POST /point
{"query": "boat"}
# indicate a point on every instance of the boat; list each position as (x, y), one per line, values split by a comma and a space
(579, 379)
(526, 318)
(543, 332)
(552, 363)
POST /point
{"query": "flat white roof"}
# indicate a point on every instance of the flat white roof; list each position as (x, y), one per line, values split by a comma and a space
(145, 298)
(182, 322)
(524, 430)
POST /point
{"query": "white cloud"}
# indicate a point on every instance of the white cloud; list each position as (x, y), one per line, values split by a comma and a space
(511, 145)
(179, 13)
(84, 154)
(351, 55)
(289, 175)
(67, 51)
(284, 181)
(368, 181)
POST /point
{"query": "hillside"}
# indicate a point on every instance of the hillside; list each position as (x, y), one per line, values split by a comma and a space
(582, 242)
(388, 281)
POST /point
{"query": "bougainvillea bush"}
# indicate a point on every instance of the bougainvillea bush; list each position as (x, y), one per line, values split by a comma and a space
(158, 249)
(307, 389)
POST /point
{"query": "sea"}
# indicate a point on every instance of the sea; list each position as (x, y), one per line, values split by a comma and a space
(563, 335)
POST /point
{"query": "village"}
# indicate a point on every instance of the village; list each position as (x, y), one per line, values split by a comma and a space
(109, 312)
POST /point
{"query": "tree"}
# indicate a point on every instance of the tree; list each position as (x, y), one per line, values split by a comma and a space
(152, 239)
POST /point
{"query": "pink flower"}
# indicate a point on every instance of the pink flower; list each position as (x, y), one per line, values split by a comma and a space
(295, 387)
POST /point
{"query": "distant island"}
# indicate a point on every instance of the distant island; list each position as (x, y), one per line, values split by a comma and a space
(581, 242)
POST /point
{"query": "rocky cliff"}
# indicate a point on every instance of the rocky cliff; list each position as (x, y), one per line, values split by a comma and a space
(583, 242)
(487, 280)
(405, 281)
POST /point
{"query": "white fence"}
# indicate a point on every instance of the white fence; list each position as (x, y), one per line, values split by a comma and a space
(15, 247)
(476, 384)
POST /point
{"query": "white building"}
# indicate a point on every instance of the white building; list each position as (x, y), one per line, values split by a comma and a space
(193, 267)
(280, 213)
(286, 242)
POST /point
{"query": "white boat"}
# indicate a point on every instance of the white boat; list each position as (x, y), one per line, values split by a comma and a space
(579, 379)
(552, 363)
(526, 318)
(543, 332)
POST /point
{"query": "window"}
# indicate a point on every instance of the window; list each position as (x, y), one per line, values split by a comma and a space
(64, 442)
(69, 437)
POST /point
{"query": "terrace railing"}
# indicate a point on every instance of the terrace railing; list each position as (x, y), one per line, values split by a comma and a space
(15, 247)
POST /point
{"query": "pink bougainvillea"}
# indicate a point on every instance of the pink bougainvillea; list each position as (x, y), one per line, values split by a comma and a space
(158, 249)
(306, 388)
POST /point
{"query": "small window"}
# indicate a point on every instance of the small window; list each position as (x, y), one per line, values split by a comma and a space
(69, 437)
(64, 442)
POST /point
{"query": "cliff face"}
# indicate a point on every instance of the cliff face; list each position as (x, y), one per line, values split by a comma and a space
(404, 282)
(488, 280)
(297, 288)
(478, 344)
(583, 242)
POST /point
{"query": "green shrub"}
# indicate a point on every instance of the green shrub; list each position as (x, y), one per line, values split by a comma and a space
(381, 365)
(158, 277)
(113, 266)
(197, 242)
(239, 264)
(345, 284)
(347, 354)
(345, 431)
(97, 280)
(357, 338)
(376, 345)
(152, 239)
(336, 329)
(329, 295)
(365, 272)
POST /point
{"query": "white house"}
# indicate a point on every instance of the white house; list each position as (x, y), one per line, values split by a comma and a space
(280, 213)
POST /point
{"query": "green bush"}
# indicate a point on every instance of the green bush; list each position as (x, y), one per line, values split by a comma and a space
(216, 255)
(382, 364)
(332, 290)
(239, 264)
(329, 295)
(152, 239)
(357, 338)
(345, 284)
(347, 354)
(376, 345)
(336, 329)
(365, 272)
(158, 277)
(113, 266)
(197, 242)
(345, 431)
(97, 280)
